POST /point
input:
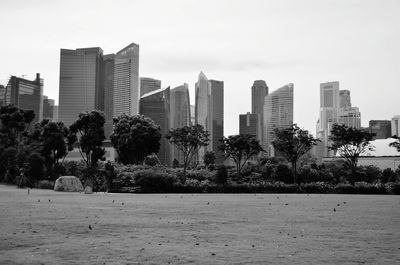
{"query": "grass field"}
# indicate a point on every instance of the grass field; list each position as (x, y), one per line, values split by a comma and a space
(47, 227)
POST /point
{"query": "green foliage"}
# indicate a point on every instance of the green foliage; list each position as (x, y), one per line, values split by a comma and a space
(135, 137)
(240, 148)
(222, 175)
(88, 132)
(45, 184)
(292, 143)
(396, 144)
(152, 160)
(154, 181)
(209, 158)
(388, 175)
(175, 163)
(350, 143)
(188, 140)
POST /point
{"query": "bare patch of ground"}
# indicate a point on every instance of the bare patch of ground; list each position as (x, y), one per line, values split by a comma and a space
(47, 227)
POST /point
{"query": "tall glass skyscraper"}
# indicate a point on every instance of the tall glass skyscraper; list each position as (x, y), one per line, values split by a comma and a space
(126, 81)
(179, 114)
(258, 92)
(25, 94)
(202, 99)
(209, 110)
(89, 80)
(335, 108)
(156, 105)
(278, 114)
(216, 114)
(149, 84)
(80, 83)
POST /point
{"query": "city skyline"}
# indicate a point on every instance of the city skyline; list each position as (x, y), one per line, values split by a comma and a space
(305, 43)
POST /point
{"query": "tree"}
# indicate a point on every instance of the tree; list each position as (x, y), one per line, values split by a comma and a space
(350, 143)
(135, 137)
(53, 138)
(88, 132)
(240, 148)
(396, 144)
(292, 143)
(188, 140)
(209, 158)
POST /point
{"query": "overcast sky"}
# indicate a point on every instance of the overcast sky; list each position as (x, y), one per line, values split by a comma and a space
(303, 42)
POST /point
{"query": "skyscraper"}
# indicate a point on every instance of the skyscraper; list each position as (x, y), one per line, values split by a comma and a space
(48, 108)
(156, 106)
(209, 112)
(2, 95)
(89, 80)
(25, 94)
(202, 107)
(258, 92)
(249, 124)
(149, 84)
(126, 81)
(278, 114)
(179, 114)
(335, 108)
(216, 117)
(80, 83)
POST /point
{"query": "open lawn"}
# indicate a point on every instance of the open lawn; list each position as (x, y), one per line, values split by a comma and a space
(47, 227)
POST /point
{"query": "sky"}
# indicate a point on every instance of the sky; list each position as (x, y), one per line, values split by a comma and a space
(305, 42)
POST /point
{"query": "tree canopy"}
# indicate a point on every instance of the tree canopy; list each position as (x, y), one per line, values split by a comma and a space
(292, 143)
(240, 148)
(188, 140)
(88, 132)
(350, 143)
(135, 137)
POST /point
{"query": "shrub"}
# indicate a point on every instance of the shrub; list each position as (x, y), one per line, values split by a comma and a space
(283, 174)
(45, 184)
(316, 187)
(388, 175)
(222, 175)
(393, 188)
(154, 181)
(152, 160)
(200, 175)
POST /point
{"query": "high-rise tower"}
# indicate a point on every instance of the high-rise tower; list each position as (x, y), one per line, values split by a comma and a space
(278, 114)
(149, 84)
(258, 92)
(202, 107)
(80, 83)
(25, 94)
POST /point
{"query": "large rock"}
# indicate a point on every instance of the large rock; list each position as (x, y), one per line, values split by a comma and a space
(68, 183)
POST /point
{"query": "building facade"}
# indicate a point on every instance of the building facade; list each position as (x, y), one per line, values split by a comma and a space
(25, 94)
(278, 114)
(335, 108)
(258, 92)
(126, 81)
(149, 84)
(216, 114)
(249, 124)
(180, 114)
(80, 83)
(156, 105)
(396, 125)
(381, 128)
(48, 108)
(202, 98)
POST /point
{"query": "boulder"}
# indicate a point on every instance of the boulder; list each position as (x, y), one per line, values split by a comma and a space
(68, 183)
(88, 190)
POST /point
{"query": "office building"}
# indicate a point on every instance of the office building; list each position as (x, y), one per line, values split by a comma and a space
(258, 92)
(381, 128)
(180, 114)
(216, 117)
(156, 106)
(126, 81)
(202, 98)
(2, 95)
(149, 84)
(278, 114)
(80, 83)
(48, 108)
(108, 83)
(25, 94)
(396, 126)
(335, 108)
(249, 124)
(55, 113)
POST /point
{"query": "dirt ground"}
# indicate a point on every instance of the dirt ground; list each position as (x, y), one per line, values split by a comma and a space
(47, 227)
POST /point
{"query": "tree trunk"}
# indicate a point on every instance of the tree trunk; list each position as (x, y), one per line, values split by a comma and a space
(294, 173)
